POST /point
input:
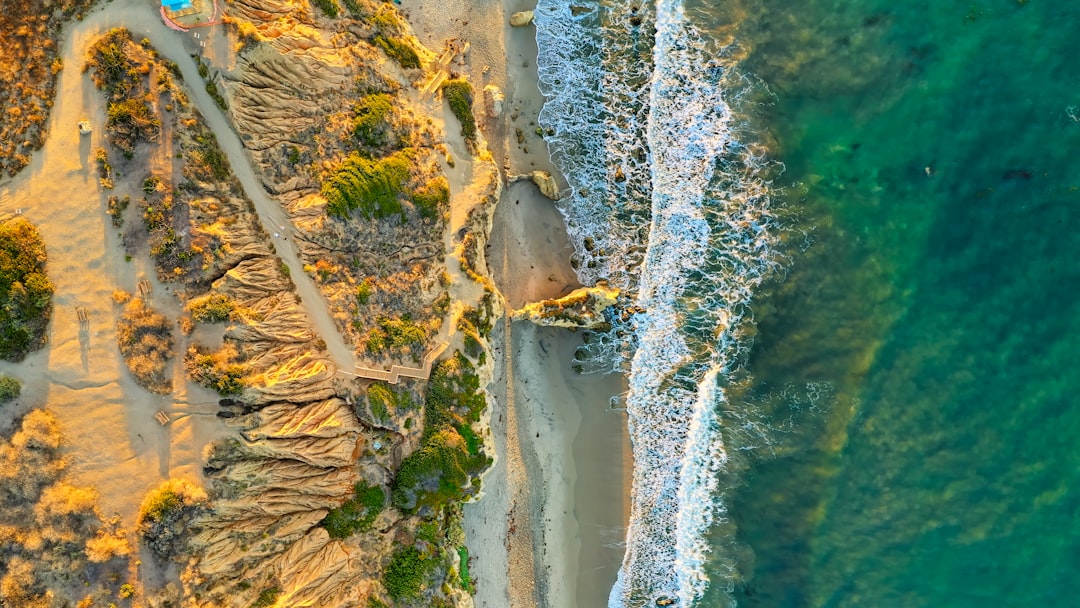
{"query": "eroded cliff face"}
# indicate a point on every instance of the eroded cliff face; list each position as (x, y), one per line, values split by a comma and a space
(271, 488)
(301, 454)
(300, 87)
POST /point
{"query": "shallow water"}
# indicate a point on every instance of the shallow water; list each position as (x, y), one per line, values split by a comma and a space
(930, 196)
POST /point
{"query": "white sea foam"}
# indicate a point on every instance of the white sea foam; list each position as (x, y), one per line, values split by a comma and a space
(692, 272)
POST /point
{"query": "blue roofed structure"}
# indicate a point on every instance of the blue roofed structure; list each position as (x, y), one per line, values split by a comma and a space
(176, 5)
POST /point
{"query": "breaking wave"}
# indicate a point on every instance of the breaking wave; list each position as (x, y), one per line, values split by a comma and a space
(666, 204)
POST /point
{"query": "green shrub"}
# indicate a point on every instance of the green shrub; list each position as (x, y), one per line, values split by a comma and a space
(438, 473)
(385, 401)
(329, 7)
(402, 333)
(406, 573)
(372, 121)
(399, 50)
(354, 7)
(10, 388)
(145, 339)
(432, 197)
(459, 95)
(164, 513)
(267, 597)
(442, 471)
(219, 370)
(212, 157)
(466, 580)
(363, 291)
(211, 308)
(357, 514)
(371, 186)
(25, 290)
(215, 94)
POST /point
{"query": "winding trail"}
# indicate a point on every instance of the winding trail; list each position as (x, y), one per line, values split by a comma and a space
(139, 17)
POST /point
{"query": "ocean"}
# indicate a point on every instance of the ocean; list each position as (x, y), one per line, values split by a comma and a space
(847, 234)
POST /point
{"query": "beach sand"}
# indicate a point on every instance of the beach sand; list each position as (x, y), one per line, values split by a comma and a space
(549, 528)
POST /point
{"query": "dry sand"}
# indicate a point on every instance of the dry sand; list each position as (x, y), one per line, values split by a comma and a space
(113, 442)
(549, 529)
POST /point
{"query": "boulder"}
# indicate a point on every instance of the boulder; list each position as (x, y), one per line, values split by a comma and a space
(547, 184)
(521, 19)
(493, 101)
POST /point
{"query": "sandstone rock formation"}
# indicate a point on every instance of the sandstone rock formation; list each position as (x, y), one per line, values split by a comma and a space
(521, 19)
(493, 101)
(543, 180)
(582, 308)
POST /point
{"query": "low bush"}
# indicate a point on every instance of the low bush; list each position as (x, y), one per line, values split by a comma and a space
(165, 512)
(399, 50)
(329, 7)
(146, 341)
(431, 198)
(370, 186)
(211, 308)
(10, 388)
(446, 467)
(357, 514)
(459, 94)
(25, 290)
(267, 597)
(220, 370)
(385, 401)
(371, 124)
(405, 574)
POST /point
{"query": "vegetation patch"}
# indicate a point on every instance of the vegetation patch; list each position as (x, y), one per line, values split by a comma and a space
(406, 573)
(357, 514)
(432, 198)
(371, 186)
(267, 598)
(10, 388)
(329, 7)
(445, 469)
(25, 290)
(116, 208)
(371, 124)
(399, 50)
(121, 69)
(466, 579)
(211, 308)
(165, 513)
(386, 402)
(146, 342)
(52, 532)
(459, 94)
(219, 370)
(29, 64)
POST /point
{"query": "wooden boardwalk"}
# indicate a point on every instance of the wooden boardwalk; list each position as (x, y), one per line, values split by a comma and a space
(442, 69)
(396, 372)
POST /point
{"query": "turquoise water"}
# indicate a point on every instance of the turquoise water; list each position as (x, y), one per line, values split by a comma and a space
(931, 196)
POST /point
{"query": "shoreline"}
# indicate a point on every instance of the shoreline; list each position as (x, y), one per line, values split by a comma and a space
(544, 532)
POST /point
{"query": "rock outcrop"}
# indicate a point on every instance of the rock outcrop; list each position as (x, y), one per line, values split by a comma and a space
(521, 19)
(493, 101)
(582, 308)
(543, 180)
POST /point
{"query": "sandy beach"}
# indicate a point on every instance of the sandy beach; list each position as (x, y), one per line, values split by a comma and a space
(550, 526)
